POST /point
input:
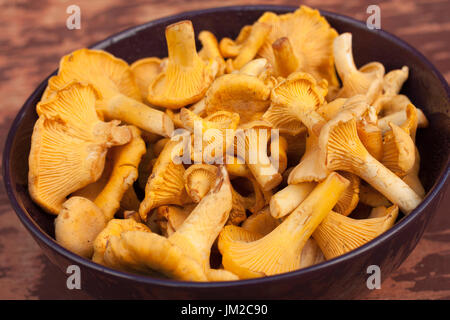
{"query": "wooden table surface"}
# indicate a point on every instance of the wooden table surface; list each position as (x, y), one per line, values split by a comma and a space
(34, 36)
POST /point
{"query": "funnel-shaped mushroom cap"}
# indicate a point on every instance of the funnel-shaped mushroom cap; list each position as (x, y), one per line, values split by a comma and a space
(368, 80)
(78, 224)
(210, 50)
(145, 71)
(350, 198)
(185, 254)
(280, 250)
(198, 180)
(69, 145)
(121, 98)
(115, 227)
(342, 150)
(166, 183)
(286, 62)
(398, 151)
(412, 178)
(240, 93)
(338, 234)
(294, 104)
(311, 38)
(186, 77)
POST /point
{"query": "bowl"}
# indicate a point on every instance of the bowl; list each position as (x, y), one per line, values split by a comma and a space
(340, 278)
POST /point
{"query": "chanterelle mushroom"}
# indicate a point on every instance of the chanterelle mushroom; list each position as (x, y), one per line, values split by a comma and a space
(186, 77)
(338, 234)
(166, 183)
(294, 104)
(342, 150)
(185, 254)
(121, 98)
(280, 250)
(69, 145)
(368, 80)
(311, 38)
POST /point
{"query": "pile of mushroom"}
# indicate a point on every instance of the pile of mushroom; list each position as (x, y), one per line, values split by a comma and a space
(247, 158)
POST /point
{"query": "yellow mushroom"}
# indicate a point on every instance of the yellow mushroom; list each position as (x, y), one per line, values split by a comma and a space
(198, 180)
(241, 93)
(108, 192)
(338, 234)
(170, 218)
(286, 62)
(121, 98)
(230, 48)
(115, 227)
(210, 50)
(309, 169)
(368, 80)
(250, 46)
(371, 137)
(78, 224)
(398, 151)
(294, 104)
(68, 145)
(287, 199)
(251, 142)
(185, 254)
(342, 150)
(145, 71)
(280, 250)
(166, 183)
(310, 255)
(211, 135)
(412, 177)
(311, 38)
(371, 197)
(186, 77)
(261, 222)
(350, 198)
(329, 110)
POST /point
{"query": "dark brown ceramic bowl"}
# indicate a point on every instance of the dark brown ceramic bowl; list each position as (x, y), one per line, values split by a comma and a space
(342, 277)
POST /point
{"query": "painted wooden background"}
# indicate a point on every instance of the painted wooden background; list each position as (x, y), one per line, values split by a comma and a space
(32, 39)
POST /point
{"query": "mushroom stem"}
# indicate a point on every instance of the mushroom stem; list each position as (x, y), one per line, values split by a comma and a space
(285, 59)
(136, 113)
(343, 56)
(181, 43)
(284, 201)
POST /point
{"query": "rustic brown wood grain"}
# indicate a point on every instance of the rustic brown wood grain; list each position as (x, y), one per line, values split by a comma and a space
(32, 39)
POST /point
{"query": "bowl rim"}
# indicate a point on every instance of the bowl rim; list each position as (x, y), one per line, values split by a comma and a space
(38, 233)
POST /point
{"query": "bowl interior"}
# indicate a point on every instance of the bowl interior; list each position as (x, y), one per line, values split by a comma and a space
(425, 87)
